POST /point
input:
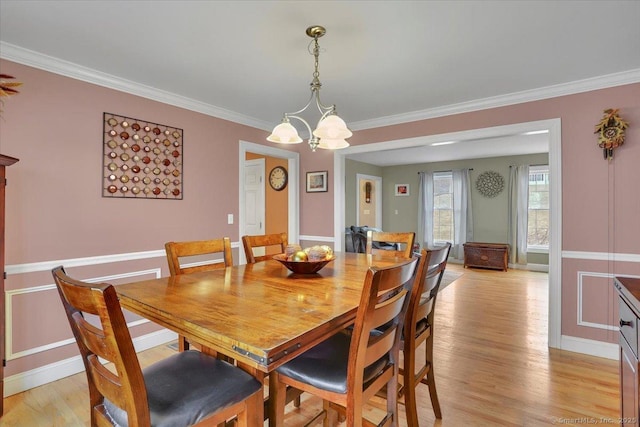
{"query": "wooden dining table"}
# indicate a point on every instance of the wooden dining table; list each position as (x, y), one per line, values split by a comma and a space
(261, 315)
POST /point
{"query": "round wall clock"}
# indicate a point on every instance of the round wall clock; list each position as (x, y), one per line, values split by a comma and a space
(278, 178)
(490, 184)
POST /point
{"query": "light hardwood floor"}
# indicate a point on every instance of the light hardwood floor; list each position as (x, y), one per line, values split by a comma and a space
(492, 364)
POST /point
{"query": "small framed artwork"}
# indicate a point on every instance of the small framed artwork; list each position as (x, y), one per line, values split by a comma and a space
(402, 189)
(317, 182)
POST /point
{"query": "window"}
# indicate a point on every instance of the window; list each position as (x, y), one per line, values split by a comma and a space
(443, 207)
(538, 223)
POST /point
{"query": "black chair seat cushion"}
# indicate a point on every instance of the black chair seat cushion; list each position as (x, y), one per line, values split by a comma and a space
(421, 326)
(325, 365)
(185, 388)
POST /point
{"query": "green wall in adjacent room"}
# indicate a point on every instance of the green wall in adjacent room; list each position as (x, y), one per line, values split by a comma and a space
(489, 214)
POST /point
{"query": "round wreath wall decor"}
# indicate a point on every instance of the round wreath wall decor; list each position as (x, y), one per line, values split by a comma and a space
(490, 184)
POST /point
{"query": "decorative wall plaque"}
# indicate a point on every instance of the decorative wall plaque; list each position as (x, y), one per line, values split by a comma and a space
(141, 160)
(490, 183)
(611, 132)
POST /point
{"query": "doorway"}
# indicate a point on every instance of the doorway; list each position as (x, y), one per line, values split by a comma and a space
(254, 197)
(552, 126)
(293, 203)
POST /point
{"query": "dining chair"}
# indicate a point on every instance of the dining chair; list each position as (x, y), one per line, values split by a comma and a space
(359, 239)
(347, 369)
(418, 329)
(184, 389)
(374, 238)
(277, 240)
(177, 250)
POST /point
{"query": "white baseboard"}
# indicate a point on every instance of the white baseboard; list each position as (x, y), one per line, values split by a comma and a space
(590, 347)
(63, 368)
(529, 267)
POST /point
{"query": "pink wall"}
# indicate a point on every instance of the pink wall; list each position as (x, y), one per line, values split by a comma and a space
(600, 199)
(587, 178)
(55, 210)
(54, 205)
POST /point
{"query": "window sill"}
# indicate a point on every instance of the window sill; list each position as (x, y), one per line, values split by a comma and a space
(537, 250)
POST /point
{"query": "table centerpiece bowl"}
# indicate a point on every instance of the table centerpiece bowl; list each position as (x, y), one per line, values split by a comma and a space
(303, 267)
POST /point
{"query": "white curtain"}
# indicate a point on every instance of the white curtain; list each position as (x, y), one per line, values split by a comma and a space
(518, 213)
(425, 209)
(462, 212)
(462, 216)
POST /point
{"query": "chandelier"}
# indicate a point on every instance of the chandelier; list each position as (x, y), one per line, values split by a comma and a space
(332, 131)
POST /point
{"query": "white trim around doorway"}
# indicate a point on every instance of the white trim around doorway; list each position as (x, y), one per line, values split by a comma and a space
(553, 126)
(293, 167)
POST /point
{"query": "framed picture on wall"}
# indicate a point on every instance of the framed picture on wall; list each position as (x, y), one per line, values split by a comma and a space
(317, 181)
(402, 189)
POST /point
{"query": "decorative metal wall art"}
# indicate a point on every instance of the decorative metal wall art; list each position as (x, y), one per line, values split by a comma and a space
(490, 184)
(141, 160)
(611, 132)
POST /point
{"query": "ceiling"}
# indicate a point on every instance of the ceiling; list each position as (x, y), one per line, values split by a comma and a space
(381, 62)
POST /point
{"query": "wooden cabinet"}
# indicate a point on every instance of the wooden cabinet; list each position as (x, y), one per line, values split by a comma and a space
(4, 162)
(486, 255)
(629, 315)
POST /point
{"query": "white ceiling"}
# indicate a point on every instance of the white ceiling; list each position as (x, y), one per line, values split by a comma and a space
(382, 62)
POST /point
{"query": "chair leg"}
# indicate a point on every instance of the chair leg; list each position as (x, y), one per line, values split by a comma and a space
(392, 401)
(183, 344)
(409, 386)
(249, 417)
(410, 405)
(431, 379)
(431, 382)
(326, 406)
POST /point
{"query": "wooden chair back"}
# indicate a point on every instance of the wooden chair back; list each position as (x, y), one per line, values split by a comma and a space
(110, 340)
(277, 240)
(177, 250)
(418, 328)
(369, 351)
(406, 239)
(119, 395)
(384, 302)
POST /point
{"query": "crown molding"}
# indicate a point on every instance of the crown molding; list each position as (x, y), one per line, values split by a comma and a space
(89, 75)
(578, 86)
(69, 69)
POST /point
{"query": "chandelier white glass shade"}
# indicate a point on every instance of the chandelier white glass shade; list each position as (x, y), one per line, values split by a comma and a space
(331, 132)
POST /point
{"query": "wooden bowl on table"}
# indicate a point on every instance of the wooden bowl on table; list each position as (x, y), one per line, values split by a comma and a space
(303, 267)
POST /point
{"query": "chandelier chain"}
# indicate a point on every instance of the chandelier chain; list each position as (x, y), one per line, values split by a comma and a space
(315, 83)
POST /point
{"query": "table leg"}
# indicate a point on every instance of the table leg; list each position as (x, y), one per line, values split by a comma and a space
(277, 401)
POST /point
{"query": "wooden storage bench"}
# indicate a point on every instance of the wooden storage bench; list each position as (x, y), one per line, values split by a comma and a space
(486, 255)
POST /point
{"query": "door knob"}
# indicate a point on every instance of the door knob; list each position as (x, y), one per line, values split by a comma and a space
(625, 323)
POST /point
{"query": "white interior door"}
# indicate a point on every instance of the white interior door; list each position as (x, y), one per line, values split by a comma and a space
(254, 213)
(293, 203)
